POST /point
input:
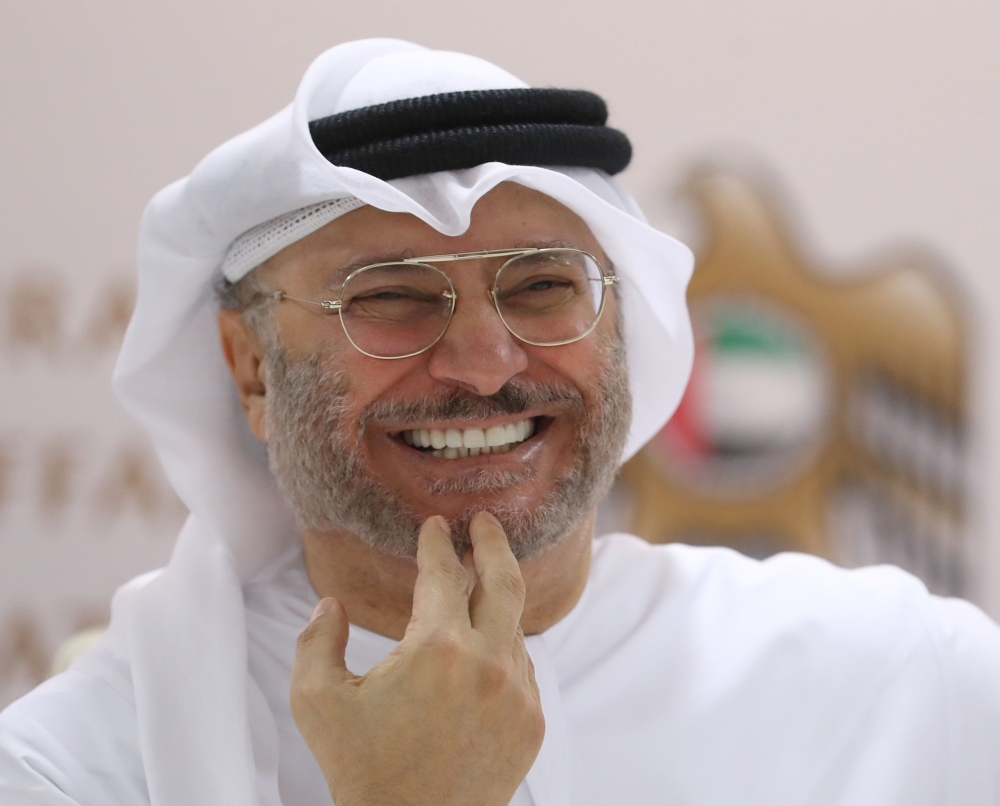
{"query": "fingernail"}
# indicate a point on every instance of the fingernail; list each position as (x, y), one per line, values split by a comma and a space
(323, 607)
(443, 521)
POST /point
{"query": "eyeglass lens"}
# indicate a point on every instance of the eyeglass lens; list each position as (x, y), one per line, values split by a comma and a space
(400, 309)
(397, 309)
(549, 297)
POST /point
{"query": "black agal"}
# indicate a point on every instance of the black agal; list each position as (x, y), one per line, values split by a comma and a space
(455, 130)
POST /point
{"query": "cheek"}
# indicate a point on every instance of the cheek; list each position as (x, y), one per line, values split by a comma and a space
(304, 336)
(581, 364)
(375, 383)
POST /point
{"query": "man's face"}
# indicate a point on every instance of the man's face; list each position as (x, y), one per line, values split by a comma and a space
(339, 423)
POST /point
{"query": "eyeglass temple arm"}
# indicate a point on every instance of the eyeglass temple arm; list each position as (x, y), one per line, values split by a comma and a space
(334, 304)
(326, 304)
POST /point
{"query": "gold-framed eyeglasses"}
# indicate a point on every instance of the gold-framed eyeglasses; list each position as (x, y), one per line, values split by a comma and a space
(545, 297)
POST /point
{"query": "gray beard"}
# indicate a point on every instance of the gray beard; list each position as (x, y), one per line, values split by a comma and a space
(323, 479)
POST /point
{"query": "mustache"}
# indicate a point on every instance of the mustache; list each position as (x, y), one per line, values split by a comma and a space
(514, 397)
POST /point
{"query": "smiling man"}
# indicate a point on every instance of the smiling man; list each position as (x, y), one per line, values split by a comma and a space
(492, 378)
(392, 345)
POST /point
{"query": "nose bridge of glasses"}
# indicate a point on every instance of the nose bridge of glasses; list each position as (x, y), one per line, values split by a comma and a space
(477, 336)
(463, 281)
(486, 253)
(472, 293)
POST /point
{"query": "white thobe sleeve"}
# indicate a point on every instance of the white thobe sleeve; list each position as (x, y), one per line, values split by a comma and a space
(969, 652)
(34, 768)
(71, 741)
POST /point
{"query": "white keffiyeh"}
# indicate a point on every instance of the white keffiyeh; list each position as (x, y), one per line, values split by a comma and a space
(185, 628)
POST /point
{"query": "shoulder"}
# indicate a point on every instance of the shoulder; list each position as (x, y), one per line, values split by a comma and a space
(968, 650)
(74, 736)
(785, 589)
(792, 608)
(815, 667)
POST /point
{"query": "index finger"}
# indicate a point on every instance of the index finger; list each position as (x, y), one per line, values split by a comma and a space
(441, 592)
(498, 598)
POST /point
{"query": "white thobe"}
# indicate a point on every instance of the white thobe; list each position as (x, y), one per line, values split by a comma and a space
(683, 676)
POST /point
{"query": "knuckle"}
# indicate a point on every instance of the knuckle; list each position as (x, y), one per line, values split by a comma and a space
(494, 677)
(307, 692)
(445, 643)
(535, 728)
(308, 636)
(453, 575)
(509, 580)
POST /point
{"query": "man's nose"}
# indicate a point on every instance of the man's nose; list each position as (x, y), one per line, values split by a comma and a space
(477, 352)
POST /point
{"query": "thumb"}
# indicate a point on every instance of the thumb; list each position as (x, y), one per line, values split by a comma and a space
(319, 655)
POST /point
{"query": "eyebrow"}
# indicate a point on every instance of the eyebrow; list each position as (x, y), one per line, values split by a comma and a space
(337, 278)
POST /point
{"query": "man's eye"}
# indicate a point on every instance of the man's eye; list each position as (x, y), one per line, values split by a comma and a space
(387, 295)
(543, 285)
(395, 295)
(539, 285)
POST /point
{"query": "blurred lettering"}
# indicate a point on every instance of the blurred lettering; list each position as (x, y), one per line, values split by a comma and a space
(22, 653)
(110, 317)
(132, 481)
(43, 315)
(35, 314)
(65, 473)
(55, 488)
(6, 473)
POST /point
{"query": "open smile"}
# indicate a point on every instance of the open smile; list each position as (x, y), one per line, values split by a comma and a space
(459, 443)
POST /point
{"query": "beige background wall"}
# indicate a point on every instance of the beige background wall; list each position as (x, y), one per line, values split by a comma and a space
(879, 119)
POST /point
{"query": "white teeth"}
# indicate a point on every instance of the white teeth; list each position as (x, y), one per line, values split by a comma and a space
(474, 438)
(453, 443)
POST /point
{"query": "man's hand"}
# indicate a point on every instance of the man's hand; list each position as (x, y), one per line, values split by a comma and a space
(452, 715)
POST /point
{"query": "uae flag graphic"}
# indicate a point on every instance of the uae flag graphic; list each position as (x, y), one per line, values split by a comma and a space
(758, 396)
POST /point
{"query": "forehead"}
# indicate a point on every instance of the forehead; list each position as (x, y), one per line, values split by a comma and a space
(510, 215)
